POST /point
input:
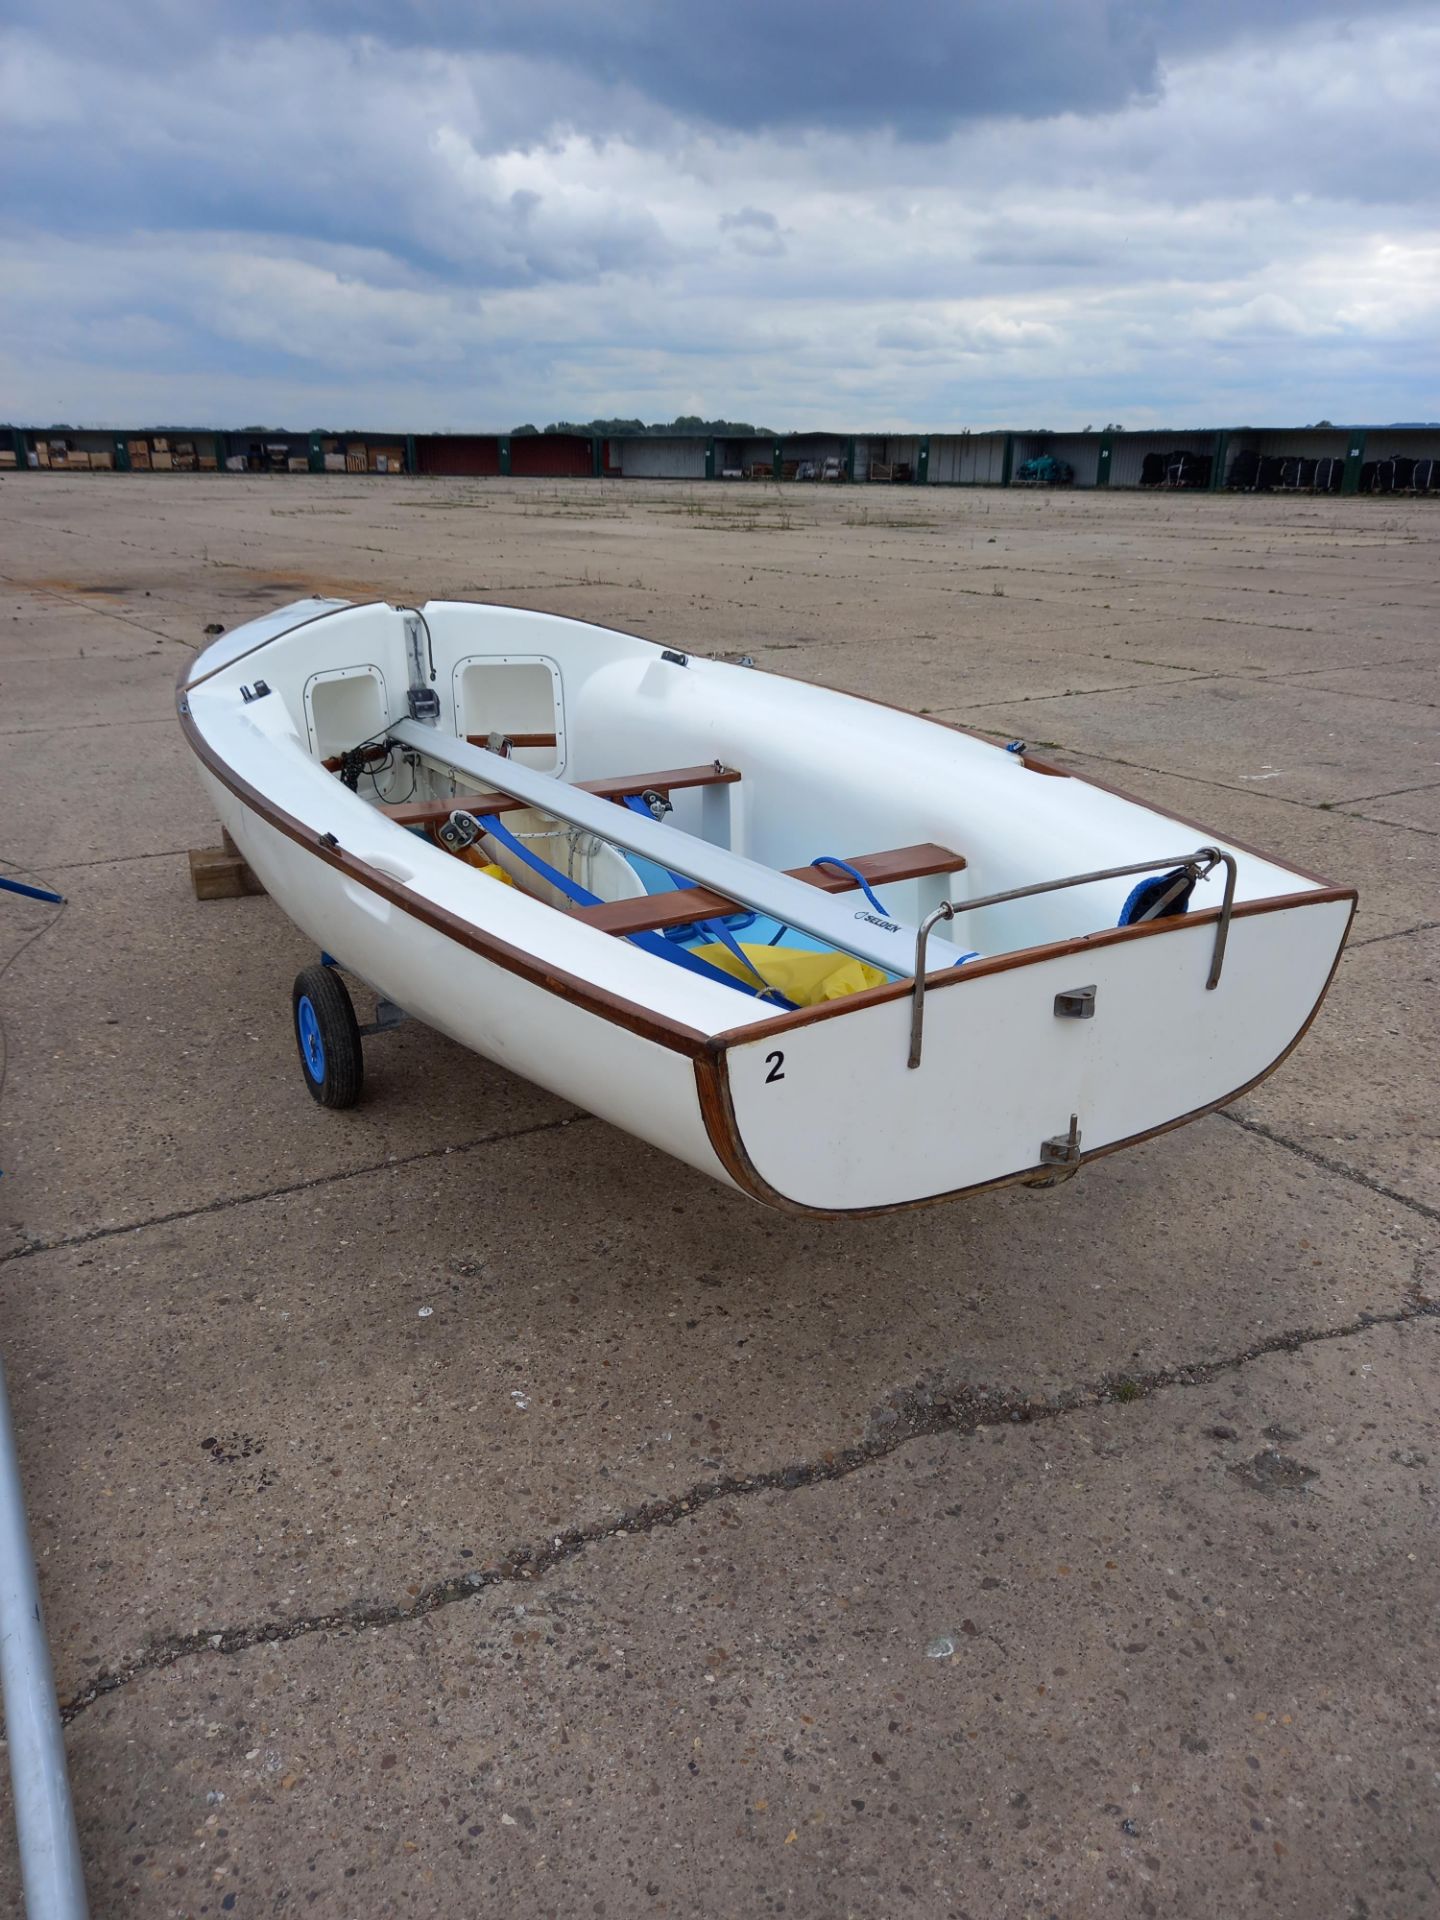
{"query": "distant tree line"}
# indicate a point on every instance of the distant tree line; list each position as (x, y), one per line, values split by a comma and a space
(633, 429)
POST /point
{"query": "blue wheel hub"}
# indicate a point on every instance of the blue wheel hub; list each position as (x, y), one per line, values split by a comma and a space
(312, 1047)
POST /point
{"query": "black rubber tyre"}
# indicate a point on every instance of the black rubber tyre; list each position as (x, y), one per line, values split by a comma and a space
(327, 1037)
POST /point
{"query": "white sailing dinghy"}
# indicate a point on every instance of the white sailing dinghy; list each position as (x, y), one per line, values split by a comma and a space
(839, 956)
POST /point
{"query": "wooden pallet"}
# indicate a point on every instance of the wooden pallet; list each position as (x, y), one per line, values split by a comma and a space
(220, 873)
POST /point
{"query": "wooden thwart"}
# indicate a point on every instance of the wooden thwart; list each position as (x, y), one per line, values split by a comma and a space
(425, 813)
(885, 943)
(678, 909)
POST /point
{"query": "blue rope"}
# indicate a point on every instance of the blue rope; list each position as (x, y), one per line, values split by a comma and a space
(716, 929)
(582, 897)
(667, 949)
(833, 860)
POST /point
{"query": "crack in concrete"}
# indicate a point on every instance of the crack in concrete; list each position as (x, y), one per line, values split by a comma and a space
(87, 726)
(1397, 826)
(119, 859)
(1183, 679)
(1204, 780)
(1191, 676)
(1328, 1165)
(1364, 693)
(1400, 933)
(1371, 666)
(87, 605)
(224, 1204)
(915, 1413)
(1390, 793)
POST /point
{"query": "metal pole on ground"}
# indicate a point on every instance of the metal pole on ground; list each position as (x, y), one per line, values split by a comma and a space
(50, 1869)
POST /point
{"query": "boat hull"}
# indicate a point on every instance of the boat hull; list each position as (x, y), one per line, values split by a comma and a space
(837, 1109)
(825, 1116)
(644, 1084)
(853, 1128)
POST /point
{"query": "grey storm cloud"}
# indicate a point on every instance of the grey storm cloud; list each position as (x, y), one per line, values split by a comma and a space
(918, 67)
(751, 217)
(754, 230)
(947, 210)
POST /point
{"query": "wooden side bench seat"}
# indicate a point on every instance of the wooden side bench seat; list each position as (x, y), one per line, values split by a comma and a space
(425, 813)
(677, 909)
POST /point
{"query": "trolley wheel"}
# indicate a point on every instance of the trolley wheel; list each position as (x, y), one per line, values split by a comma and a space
(328, 1037)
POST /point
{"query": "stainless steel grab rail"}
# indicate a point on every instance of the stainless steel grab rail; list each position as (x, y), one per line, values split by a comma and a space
(1198, 866)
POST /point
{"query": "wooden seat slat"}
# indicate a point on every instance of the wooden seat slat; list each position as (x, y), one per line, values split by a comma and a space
(885, 943)
(425, 813)
(678, 909)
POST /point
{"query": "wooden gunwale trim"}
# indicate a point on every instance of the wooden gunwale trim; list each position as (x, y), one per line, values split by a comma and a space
(953, 976)
(515, 739)
(629, 1014)
(1181, 819)
(346, 606)
(712, 1086)
(1032, 765)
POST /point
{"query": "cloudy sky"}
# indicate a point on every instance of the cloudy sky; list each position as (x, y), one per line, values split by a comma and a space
(931, 213)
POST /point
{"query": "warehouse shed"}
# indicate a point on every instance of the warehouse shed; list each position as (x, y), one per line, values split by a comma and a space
(1403, 458)
(266, 450)
(1400, 460)
(814, 456)
(63, 448)
(354, 452)
(71, 450)
(1080, 452)
(1287, 460)
(661, 457)
(752, 458)
(1164, 457)
(888, 457)
(458, 454)
(552, 456)
(967, 459)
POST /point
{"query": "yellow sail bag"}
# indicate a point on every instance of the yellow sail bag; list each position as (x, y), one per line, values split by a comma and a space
(805, 977)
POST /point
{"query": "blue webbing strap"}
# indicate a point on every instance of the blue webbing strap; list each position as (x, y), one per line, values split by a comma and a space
(833, 860)
(580, 895)
(717, 929)
(650, 942)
